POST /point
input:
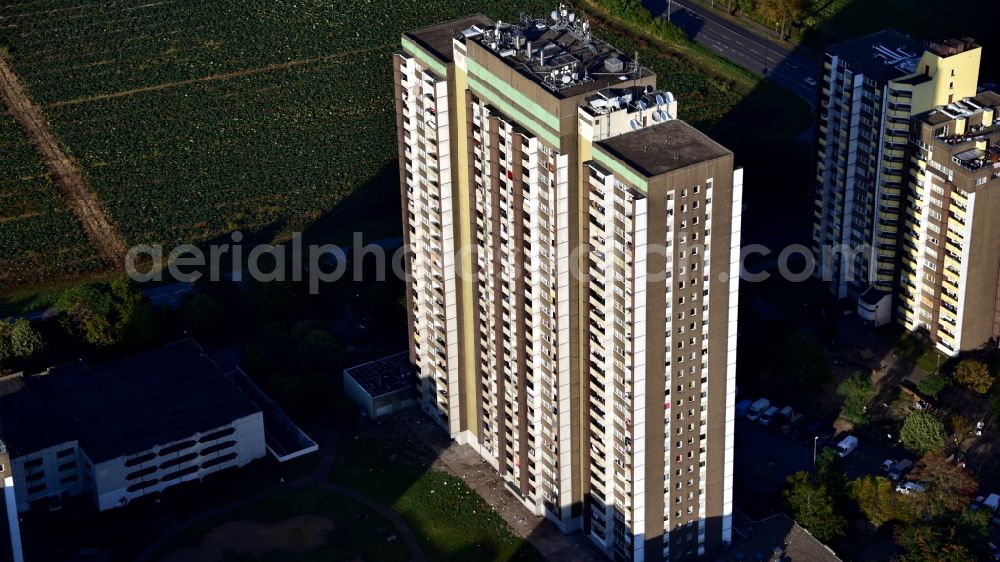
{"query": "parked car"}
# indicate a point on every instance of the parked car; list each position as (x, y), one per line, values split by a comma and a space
(743, 408)
(846, 445)
(887, 465)
(758, 408)
(910, 488)
(899, 470)
(767, 416)
(990, 502)
(787, 412)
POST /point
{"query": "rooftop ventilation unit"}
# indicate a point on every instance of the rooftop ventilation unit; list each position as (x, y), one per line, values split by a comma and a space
(614, 64)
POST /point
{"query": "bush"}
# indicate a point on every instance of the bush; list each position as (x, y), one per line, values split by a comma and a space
(923, 433)
(933, 384)
(974, 375)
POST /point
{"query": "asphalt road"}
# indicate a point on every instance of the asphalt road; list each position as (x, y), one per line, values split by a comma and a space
(760, 56)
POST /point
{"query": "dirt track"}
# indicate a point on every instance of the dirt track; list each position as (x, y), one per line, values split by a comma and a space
(65, 174)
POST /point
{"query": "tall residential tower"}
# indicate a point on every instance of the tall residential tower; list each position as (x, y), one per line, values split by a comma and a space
(871, 88)
(870, 230)
(572, 278)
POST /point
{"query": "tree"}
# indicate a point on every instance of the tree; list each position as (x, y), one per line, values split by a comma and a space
(783, 12)
(878, 500)
(812, 506)
(961, 428)
(947, 487)
(858, 390)
(927, 542)
(933, 384)
(830, 472)
(25, 340)
(974, 375)
(19, 340)
(923, 433)
(103, 314)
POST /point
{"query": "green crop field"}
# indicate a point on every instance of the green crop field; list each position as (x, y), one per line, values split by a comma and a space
(39, 237)
(259, 115)
(193, 118)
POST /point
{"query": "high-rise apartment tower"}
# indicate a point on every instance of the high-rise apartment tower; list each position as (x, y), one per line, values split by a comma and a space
(573, 278)
(869, 180)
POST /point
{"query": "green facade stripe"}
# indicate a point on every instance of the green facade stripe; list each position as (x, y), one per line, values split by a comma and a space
(522, 119)
(517, 97)
(424, 57)
(617, 167)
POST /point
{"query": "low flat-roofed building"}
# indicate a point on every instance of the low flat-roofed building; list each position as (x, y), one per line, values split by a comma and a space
(382, 387)
(126, 429)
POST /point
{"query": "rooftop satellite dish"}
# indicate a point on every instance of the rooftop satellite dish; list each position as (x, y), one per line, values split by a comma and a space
(572, 17)
(554, 15)
(642, 105)
(657, 116)
(664, 116)
(566, 79)
(659, 100)
(670, 97)
(632, 123)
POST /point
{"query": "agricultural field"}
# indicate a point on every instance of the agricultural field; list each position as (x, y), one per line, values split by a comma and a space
(194, 118)
(39, 236)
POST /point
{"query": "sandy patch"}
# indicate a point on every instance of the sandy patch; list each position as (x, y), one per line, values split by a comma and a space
(301, 533)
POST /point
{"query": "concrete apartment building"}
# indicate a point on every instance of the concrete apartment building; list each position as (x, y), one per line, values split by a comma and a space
(569, 253)
(950, 273)
(120, 431)
(872, 88)
(10, 526)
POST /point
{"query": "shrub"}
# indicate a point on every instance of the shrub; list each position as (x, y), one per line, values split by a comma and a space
(923, 433)
(974, 375)
(933, 384)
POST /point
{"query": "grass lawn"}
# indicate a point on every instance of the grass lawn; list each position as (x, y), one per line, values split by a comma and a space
(918, 352)
(452, 522)
(350, 538)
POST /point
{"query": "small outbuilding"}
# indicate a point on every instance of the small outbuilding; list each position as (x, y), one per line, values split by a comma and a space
(382, 387)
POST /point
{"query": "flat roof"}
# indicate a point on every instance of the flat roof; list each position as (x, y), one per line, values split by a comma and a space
(776, 534)
(437, 38)
(663, 147)
(561, 54)
(884, 55)
(123, 407)
(384, 376)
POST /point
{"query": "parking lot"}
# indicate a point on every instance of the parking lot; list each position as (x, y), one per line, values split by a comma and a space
(765, 458)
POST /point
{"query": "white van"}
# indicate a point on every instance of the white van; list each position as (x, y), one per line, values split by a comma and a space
(766, 417)
(910, 488)
(847, 445)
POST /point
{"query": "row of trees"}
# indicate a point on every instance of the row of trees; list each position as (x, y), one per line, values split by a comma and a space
(935, 525)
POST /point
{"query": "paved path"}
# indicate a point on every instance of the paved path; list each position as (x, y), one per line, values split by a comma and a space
(785, 66)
